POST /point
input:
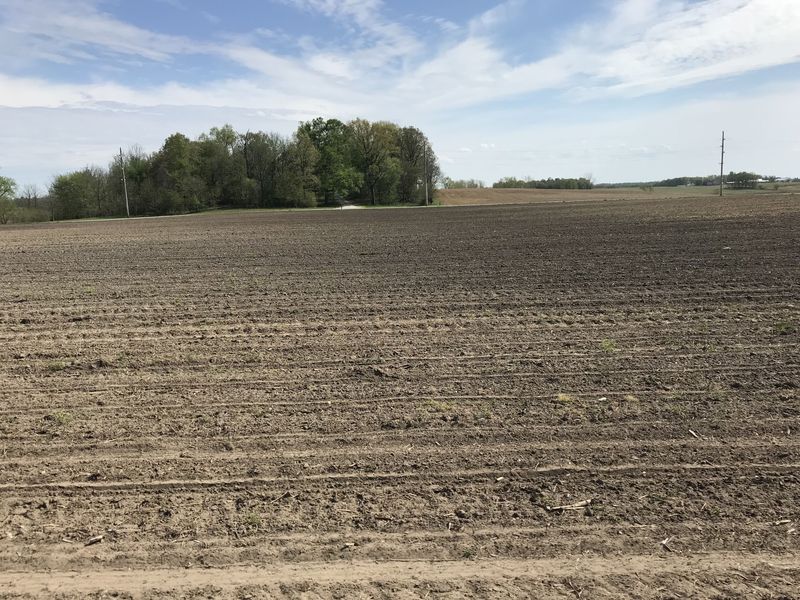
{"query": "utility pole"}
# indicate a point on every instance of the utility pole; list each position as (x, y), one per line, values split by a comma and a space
(124, 183)
(425, 161)
(722, 165)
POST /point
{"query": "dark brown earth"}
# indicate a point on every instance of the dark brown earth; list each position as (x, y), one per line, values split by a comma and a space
(384, 403)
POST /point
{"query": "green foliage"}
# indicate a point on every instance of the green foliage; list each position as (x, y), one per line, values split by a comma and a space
(461, 184)
(325, 161)
(337, 178)
(59, 418)
(374, 150)
(7, 210)
(299, 184)
(7, 207)
(22, 214)
(608, 346)
(742, 180)
(252, 520)
(69, 195)
(581, 183)
(393, 162)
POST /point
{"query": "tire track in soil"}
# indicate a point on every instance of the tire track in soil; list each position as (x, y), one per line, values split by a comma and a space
(323, 575)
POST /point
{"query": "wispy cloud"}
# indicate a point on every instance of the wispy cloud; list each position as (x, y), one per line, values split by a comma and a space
(76, 30)
(445, 25)
(378, 43)
(495, 16)
(685, 43)
(643, 46)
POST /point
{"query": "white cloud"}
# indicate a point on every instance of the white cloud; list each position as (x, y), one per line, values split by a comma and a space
(495, 16)
(445, 25)
(75, 30)
(688, 43)
(378, 43)
(646, 46)
(229, 93)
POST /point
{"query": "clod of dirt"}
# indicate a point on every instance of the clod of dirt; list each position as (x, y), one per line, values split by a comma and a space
(25, 321)
(383, 373)
(373, 372)
(100, 363)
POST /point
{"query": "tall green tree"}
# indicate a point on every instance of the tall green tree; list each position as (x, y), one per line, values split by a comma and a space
(95, 181)
(70, 195)
(179, 188)
(8, 188)
(338, 179)
(743, 180)
(298, 180)
(375, 155)
(417, 163)
(263, 155)
(221, 167)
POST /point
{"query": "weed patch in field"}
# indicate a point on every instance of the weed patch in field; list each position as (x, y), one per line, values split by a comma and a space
(59, 418)
(253, 520)
(609, 346)
(439, 406)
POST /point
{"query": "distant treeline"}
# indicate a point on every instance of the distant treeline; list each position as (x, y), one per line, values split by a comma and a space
(462, 184)
(581, 183)
(736, 180)
(324, 162)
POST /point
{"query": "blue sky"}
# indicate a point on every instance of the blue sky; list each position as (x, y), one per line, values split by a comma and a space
(614, 89)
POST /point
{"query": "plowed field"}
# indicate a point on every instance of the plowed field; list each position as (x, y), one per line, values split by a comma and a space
(391, 403)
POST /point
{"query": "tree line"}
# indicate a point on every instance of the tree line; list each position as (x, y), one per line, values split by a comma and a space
(325, 162)
(462, 184)
(734, 179)
(558, 183)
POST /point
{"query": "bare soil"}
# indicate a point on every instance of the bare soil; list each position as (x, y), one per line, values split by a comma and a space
(490, 196)
(389, 403)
